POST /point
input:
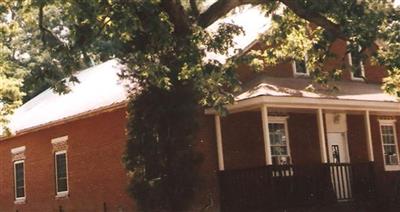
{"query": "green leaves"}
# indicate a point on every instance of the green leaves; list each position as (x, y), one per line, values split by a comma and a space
(392, 83)
(160, 154)
(388, 53)
(166, 52)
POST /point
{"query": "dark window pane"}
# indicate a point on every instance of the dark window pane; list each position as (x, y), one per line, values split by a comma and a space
(61, 168)
(19, 180)
(20, 192)
(62, 185)
(357, 65)
(301, 66)
(391, 159)
(281, 160)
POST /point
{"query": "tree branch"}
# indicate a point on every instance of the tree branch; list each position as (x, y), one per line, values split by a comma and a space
(44, 30)
(177, 16)
(195, 9)
(315, 18)
(221, 8)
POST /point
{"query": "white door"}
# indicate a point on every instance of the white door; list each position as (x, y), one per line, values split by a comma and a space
(339, 168)
(337, 148)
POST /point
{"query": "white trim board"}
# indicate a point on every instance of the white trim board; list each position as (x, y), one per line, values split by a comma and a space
(311, 103)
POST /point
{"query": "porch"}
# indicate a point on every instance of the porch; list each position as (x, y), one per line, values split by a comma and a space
(285, 187)
(275, 156)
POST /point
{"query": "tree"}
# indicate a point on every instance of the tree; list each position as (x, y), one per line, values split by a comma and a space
(163, 44)
(11, 73)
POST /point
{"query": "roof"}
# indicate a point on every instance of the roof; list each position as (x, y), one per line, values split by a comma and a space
(298, 87)
(99, 87)
(252, 29)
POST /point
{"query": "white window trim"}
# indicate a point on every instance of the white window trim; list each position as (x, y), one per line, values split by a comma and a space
(61, 193)
(19, 200)
(392, 123)
(361, 66)
(294, 68)
(281, 120)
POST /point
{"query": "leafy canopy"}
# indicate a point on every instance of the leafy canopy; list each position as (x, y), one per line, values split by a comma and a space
(164, 45)
(46, 41)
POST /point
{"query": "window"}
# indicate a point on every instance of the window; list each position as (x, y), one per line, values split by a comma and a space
(280, 151)
(389, 145)
(299, 67)
(61, 173)
(355, 61)
(19, 180)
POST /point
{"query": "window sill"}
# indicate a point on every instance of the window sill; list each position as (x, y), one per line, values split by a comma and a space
(20, 201)
(62, 195)
(301, 75)
(357, 79)
(392, 168)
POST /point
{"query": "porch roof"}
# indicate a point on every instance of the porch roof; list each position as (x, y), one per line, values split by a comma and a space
(300, 87)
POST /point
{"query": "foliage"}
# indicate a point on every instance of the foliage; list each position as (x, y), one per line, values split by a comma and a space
(360, 24)
(11, 73)
(164, 45)
(161, 158)
(389, 53)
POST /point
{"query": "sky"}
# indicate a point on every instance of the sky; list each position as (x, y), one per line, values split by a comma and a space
(252, 20)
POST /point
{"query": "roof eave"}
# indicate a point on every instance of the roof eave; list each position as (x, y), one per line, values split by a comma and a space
(310, 103)
(68, 119)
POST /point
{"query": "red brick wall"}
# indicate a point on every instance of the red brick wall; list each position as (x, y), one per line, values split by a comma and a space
(339, 49)
(356, 137)
(242, 139)
(95, 170)
(245, 73)
(96, 174)
(244, 146)
(304, 140)
(385, 179)
(374, 74)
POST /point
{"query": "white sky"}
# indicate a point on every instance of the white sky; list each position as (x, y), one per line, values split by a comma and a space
(252, 20)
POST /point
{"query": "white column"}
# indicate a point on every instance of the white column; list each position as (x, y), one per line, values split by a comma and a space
(220, 150)
(267, 144)
(321, 133)
(369, 136)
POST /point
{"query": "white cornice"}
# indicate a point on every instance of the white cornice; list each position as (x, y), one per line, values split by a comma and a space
(311, 103)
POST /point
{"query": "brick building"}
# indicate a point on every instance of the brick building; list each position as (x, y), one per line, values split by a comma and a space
(281, 145)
